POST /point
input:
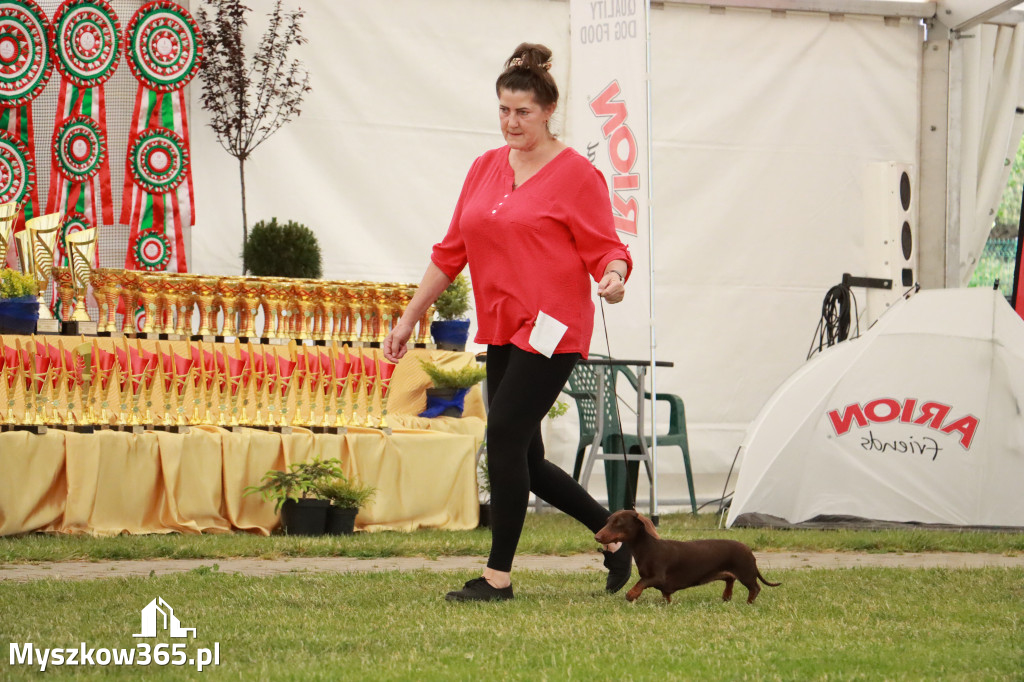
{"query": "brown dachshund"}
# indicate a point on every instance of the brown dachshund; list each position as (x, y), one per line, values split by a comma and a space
(670, 565)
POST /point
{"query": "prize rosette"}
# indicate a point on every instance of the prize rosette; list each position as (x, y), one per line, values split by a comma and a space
(158, 160)
(152, 250)
(164, 46)
(79, 147)
(17, 171)
(25, 64)
(86, 40)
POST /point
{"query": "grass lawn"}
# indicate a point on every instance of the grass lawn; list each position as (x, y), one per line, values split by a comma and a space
(543, 534)
(877, 624)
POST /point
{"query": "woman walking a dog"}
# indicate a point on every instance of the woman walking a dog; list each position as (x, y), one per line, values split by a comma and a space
(534, 224)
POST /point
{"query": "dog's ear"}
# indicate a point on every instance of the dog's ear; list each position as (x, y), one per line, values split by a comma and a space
(648, 526)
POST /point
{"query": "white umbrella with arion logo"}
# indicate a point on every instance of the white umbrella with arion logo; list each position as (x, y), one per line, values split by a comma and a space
(917, 421)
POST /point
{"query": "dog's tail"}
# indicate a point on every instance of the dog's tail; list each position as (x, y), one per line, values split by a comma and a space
(761, 578)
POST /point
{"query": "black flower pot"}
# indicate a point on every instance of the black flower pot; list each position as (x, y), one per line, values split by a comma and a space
(304, 516)
(341, 520)
(485, 515)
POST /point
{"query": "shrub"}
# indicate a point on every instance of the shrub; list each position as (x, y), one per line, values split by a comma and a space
(282, 250)
(453, 302)
(464, 377)
(344, 493)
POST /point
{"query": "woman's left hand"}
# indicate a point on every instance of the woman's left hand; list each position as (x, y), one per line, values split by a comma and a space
(611, 287)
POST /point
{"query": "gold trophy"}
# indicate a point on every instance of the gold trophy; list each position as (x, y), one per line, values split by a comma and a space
(354, 299)
(355, 387)
(129, 282)
(369, 384)
(314, 377)
(149, 290)
(166, 303)
(285, 369)
(371, 314)
(107, 292)
(342, 369)
(81, 248)
(35, 249)
(72, 380)
(249, 290)
(423, 337)
(9, 378)
(259, 378)
(324, 312)
(299, 377)
(83, 354)
(8, 214)
(327, 382)
(385, 370)
(65, 282)
(32, 419)
(184, 289)
(228, 296)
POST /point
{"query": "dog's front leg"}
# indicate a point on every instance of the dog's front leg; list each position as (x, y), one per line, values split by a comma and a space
(635, 591)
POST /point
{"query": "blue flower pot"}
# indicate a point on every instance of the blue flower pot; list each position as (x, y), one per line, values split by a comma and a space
(450, 334)
(19, 315)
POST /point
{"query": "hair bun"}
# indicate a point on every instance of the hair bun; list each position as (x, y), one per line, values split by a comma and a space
(530, 55)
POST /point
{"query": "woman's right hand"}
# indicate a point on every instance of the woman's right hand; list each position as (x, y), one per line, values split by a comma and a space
(395, 344)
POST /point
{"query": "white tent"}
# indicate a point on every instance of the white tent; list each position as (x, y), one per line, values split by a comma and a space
(917, 421)
(768, 118)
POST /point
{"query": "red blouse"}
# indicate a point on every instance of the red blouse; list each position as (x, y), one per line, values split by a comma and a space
(532, 249)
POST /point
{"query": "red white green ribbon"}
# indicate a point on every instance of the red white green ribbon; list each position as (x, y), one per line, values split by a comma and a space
(164, 50)
(25, 68)
(85, 37)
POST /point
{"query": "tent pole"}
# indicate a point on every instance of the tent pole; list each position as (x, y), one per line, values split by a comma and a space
(1016, 299)
(650, 264)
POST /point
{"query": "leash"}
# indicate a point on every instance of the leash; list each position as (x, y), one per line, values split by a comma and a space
(630, 500)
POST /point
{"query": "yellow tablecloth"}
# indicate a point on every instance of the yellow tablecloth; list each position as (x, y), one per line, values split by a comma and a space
(109, 482)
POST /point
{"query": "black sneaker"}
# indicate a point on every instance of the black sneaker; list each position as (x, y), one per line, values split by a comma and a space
(478, 589)
(619, 565)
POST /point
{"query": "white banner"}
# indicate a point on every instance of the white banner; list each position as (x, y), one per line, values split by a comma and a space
(608, 108)
(607, 122)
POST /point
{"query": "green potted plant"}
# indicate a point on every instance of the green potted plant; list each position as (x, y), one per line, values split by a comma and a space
(347, 498)
(448, 395)
(288, 249)
(295, 494)
(451, 328)
(19, 307)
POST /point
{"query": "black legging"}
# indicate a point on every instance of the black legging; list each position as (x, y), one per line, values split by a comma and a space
(521, 388)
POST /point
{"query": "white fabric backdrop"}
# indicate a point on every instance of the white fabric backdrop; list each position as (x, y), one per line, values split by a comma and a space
(993, 89)
(762, 127)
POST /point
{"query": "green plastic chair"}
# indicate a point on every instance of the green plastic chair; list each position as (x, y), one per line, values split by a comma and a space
(583, 381)
(582, 388)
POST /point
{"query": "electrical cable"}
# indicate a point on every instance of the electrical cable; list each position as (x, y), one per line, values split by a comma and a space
(834, 325)
(721, 507)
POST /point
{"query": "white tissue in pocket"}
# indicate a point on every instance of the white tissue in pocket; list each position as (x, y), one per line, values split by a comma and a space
(547, 332)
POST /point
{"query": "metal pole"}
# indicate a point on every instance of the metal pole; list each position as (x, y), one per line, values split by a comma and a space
(650, 256)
